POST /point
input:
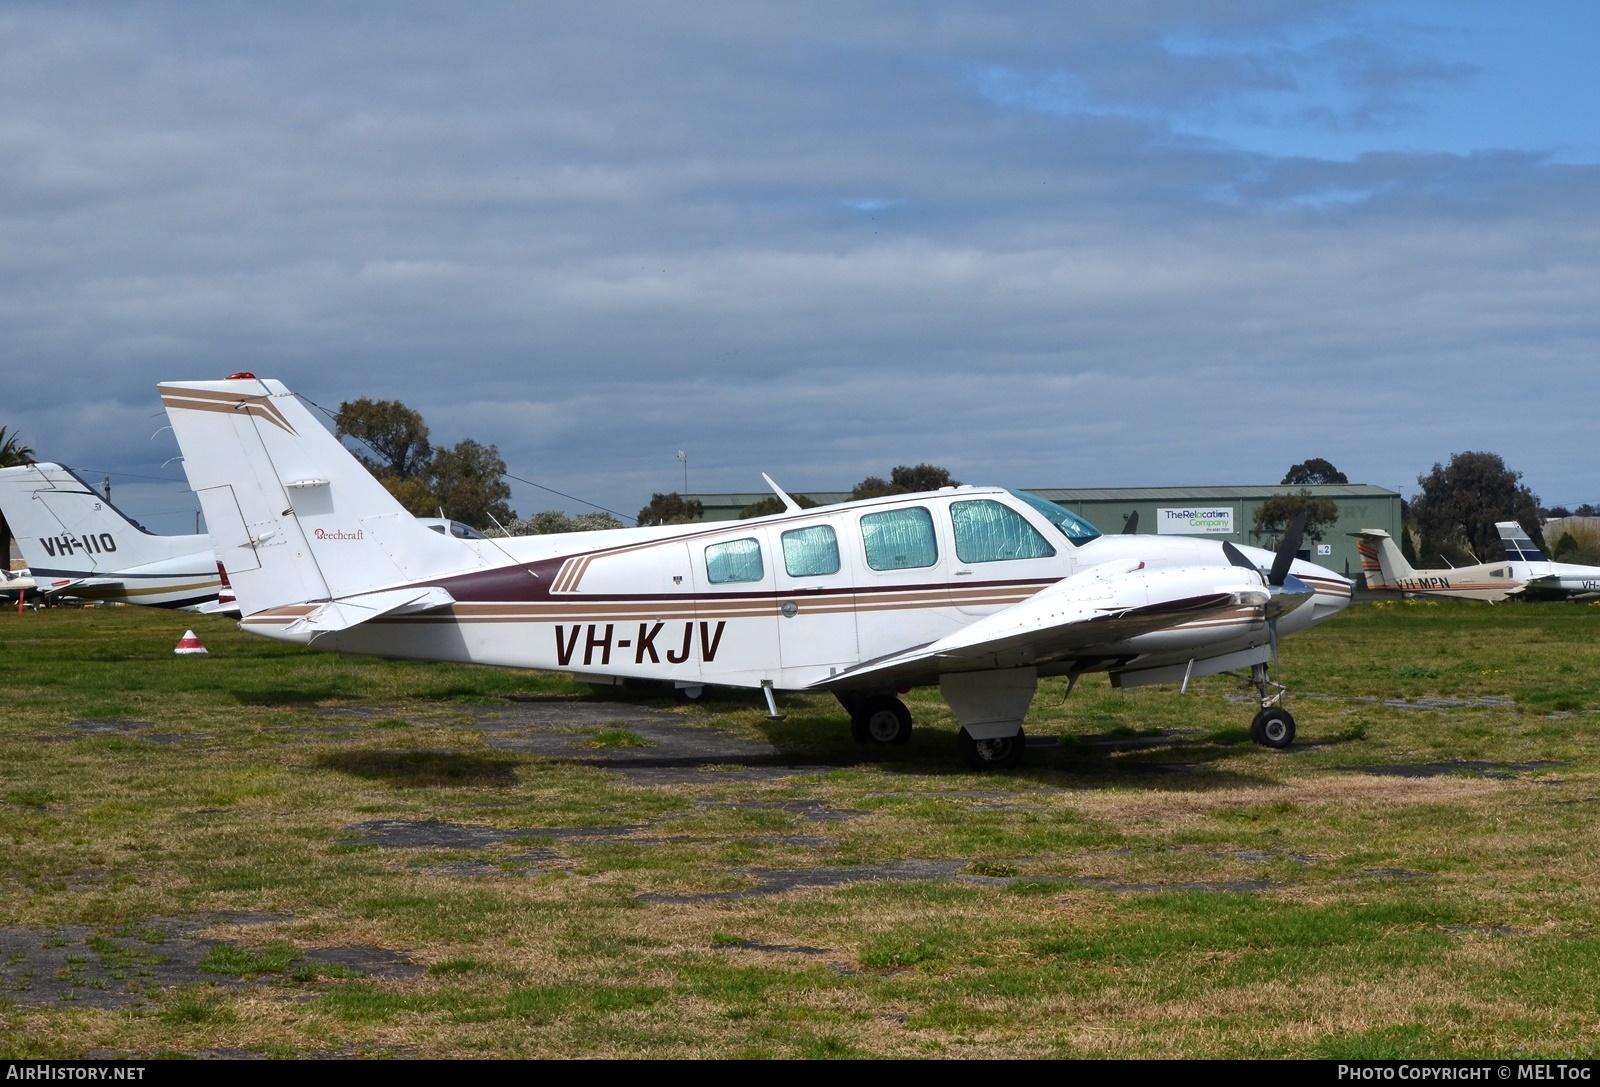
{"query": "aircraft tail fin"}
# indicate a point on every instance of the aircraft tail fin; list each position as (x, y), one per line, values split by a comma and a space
(293, 516)
(1381, 560)
(67, 529)
(1519, 546)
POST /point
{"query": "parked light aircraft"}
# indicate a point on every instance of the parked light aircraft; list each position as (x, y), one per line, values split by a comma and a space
(80, 545)
(1540, 577)
(17, 584)
(84, 547)
(977, 589)
(1524, 573)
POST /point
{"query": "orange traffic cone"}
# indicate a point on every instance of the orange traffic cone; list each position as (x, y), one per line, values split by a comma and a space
(189, 644)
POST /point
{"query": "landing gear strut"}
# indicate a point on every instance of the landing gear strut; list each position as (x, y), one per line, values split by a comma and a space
(1273, 726)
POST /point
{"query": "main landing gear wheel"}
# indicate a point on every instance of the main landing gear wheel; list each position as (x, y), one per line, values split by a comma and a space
(1273, 727)
(881, 719)
(693, 693)
(1002, 754)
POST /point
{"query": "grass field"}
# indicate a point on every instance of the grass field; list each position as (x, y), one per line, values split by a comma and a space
(274, 852)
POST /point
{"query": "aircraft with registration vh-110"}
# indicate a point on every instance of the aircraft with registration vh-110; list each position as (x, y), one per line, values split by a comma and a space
(979, 590)
(77, 544)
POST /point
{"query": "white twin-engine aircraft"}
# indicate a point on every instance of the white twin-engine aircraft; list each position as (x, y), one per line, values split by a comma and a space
(978, 589)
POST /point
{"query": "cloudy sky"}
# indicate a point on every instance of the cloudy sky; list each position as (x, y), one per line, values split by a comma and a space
(1131, 242)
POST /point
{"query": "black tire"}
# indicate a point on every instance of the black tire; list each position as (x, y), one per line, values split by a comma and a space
(697, 693)
(1273, 727)
(983, 755)
(880, 719)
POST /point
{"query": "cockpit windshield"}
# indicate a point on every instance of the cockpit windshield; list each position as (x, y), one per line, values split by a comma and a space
(1072, 526)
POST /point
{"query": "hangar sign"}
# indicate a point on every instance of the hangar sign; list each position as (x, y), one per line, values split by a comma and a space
(1195, 521)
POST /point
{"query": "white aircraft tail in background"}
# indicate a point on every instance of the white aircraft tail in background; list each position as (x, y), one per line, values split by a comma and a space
(979, 590)
(1541, 577)
(77, 544)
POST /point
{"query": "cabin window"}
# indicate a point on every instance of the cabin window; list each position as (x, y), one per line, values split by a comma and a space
(811, 552)
(737, 560)
(986, 531)
(899, 539)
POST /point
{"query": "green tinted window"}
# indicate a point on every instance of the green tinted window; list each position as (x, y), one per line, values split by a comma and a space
(1072, 526)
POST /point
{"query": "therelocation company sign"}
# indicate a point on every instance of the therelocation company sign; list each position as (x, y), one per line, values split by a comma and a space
(1195, 521)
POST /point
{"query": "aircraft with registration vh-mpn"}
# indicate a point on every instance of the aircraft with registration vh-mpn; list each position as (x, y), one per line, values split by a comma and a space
(977, 589)
(1524, 573)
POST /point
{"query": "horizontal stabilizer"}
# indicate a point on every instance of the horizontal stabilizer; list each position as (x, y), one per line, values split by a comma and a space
(75, 584)
(345, 613)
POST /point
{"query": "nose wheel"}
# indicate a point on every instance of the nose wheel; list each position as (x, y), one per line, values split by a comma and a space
(1272, 726)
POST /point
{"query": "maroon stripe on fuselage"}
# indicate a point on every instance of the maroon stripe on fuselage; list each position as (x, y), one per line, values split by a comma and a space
(531, 582)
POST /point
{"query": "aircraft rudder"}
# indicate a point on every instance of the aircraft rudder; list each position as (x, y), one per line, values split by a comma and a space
(1381, 559)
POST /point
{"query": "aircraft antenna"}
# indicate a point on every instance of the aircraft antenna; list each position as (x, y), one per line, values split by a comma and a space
(789, 504)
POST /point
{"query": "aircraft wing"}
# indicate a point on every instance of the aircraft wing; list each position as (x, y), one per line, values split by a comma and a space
(1089, 612)
(348, 611)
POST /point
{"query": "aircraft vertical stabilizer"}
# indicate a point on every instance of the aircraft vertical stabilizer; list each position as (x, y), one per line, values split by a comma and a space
(64, 524)
(78, 544)
(1381, 560)
(293, 516)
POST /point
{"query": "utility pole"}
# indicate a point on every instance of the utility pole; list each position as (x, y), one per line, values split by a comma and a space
(684, 457)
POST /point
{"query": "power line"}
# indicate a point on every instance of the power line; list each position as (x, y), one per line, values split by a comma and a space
(569, 497)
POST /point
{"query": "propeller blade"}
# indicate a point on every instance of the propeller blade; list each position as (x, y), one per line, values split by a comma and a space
(1131, 526)
(1236, 557)
(1287, 549)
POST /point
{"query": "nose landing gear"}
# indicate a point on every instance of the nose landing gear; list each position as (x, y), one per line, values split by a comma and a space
(1272, 726)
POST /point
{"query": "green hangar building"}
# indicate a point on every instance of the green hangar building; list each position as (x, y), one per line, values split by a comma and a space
(1211, 513)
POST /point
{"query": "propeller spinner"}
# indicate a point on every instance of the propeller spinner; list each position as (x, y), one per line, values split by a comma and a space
(1288, 592)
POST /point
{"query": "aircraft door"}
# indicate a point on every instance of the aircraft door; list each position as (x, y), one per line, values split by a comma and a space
(902, 583)
(999, 557)
(816, 600)
(736, 632)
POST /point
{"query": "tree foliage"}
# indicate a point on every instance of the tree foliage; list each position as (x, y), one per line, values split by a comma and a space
(393, 432)
(773, 504)
(1273, 516)
(465, 481)
(546, 522)
(1315, 470)
(468, 482)
(1579, 544)
(671, 509)
(1461, 501)
(904, 479)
